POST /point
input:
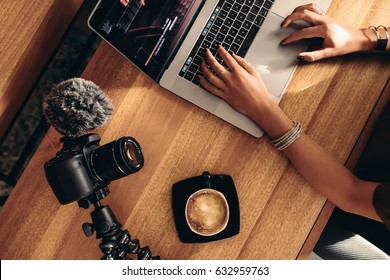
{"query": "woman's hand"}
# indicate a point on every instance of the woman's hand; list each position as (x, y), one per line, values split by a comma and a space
(241, 86)
(338, 38)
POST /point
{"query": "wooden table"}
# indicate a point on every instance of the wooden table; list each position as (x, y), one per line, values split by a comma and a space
(332, 98)
(29, 33)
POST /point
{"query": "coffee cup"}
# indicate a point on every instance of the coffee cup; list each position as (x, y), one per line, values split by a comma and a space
(207, 212)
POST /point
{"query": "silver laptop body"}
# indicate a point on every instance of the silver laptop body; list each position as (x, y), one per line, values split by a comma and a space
(116, 22)
(275, 63)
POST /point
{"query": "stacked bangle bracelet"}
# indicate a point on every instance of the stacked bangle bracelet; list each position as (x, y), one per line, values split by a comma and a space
(382, 40)
(287, 139)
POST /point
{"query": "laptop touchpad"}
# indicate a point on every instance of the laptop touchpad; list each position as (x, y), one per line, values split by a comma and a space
(274, 62)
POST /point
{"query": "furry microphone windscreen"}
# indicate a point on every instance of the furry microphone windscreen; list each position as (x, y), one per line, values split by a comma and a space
(76, 106)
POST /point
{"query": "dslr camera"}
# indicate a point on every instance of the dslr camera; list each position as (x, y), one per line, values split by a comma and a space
(83, 168)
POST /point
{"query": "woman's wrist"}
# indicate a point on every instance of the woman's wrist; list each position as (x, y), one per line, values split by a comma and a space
(368, 40)
(272, 120)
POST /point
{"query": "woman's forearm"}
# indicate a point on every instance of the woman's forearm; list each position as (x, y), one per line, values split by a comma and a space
(320, 168)
(331, 178)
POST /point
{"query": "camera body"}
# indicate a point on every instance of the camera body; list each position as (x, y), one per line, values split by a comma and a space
(83, 167)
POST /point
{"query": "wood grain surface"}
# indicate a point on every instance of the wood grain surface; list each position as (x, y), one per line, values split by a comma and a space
(278, 209)
(29, 33)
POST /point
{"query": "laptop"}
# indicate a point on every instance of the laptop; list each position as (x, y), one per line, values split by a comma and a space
(166, 39)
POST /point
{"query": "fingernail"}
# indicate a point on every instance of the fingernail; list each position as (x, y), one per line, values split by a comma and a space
(300, 57)
(281, 43)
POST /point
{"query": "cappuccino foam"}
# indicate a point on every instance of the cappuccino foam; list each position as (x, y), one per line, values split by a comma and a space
(207, 212)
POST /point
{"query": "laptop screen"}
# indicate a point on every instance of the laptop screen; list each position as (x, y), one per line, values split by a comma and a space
(147, 34)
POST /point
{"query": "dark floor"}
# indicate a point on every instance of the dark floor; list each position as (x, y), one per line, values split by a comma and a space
(26, 132)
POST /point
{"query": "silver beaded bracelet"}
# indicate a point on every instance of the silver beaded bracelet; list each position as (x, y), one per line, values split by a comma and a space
(287, 139)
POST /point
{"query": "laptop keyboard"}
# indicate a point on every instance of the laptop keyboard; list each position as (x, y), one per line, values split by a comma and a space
(234, 25)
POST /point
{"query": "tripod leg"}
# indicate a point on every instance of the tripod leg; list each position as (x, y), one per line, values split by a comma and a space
(116, 243)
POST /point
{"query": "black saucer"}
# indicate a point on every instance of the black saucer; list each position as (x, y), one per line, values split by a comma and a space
(183, 189)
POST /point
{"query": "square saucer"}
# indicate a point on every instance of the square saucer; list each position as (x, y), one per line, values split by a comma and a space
(182, 190)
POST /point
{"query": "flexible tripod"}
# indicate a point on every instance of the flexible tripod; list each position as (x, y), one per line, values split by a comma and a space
(116, 243)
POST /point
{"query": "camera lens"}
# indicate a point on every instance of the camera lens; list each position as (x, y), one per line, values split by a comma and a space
(132, 153)
(117, 159)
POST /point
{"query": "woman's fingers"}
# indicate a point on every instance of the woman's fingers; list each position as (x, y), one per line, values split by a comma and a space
(316, 55)
(306, 33)
(306, 15)
(212, 77)
(311, 7)
(217, 79)
(219, 70)
(230, 62)
(246, 65)
(210, 87)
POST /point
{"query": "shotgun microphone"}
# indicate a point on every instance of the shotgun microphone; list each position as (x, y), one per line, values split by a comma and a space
(76, 106)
